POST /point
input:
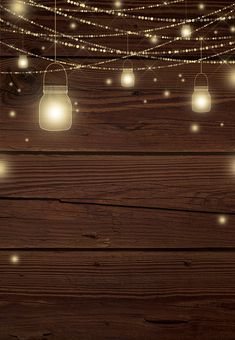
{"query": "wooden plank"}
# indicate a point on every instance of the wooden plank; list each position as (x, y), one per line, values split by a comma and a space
(54, 224)
(111, 119)
(118, 274)
(196, 317)
(199, 183)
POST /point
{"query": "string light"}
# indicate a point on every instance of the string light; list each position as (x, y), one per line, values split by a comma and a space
(104, 50)
(145, 52)
(131, 16)
(144, 32)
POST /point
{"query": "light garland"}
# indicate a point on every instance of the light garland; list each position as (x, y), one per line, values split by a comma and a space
(135, 17)
(141, 8)
(163, 37)
(132, 53)
(168, 52)
(146, 32)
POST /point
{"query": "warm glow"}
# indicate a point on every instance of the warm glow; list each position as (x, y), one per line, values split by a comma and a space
(12, 113)
(194, 128)
(118, 4)
(109, 81)
(3, 169)
(23, 61)
(222, 219)
(232, 78)
(18, 6)
(128, 77)
(14, 259)
(167, 93)
(73, 25)
(201, 6)
(201, 99)
(154, 39)
(55, 109)
(186, 31)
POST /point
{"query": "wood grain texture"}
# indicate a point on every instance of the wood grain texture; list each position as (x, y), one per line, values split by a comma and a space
(114, 120)
(192, 183)
(169, 318)
(123, 274)
(57, 224)
(115, 223)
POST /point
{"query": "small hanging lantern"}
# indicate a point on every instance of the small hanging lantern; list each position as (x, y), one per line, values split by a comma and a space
(55, 108)
(201, 99)
(128, 76)
(186, 31)
(23, 62)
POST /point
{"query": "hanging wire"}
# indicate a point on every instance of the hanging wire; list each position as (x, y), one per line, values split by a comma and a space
(55, 27)
(201, 64)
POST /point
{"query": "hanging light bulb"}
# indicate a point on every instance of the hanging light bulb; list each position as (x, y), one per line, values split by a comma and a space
(128, 77)
(55, 108)
(201, 99)
(186, 31)
(23, 62)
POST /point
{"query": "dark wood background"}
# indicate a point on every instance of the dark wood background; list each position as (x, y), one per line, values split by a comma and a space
(116, 221)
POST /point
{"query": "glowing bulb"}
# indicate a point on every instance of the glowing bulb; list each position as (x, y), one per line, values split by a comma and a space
(154, 39)
(201, 98)
(23, 61)
(186, 31)
(201, 6)
(167, 93)
(109, 81)
(194, 128)
(12, 113)
(118, 4)
(222, 219)
(18, 6)
(55, 109)
(232, 29)
(73, 25)
(128, 77)
(14, 259)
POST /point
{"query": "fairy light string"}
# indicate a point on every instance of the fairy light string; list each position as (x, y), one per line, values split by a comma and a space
(107, 49)
(147, 53)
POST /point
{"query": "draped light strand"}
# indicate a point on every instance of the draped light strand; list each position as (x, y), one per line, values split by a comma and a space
(106, 49)
(93, 9)
(163, 37)
(146, 32)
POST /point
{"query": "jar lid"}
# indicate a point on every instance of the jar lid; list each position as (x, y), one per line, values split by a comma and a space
(58, 89)
(201, 88)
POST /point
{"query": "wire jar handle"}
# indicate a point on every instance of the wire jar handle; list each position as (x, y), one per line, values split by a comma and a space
(205, 77)
(62, 68)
